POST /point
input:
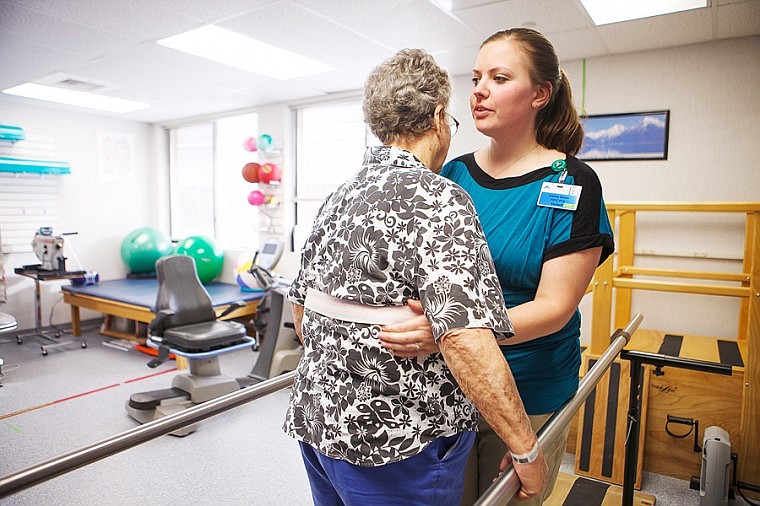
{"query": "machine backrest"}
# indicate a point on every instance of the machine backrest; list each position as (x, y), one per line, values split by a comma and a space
(180, 291)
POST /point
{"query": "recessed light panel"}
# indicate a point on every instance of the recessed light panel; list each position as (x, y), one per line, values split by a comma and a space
(76, 98)
(236, 50)
(603, 12)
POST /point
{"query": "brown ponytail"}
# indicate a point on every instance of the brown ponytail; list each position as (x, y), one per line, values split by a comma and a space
(557, 124)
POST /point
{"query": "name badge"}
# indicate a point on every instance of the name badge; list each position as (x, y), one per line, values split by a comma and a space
(560, 196)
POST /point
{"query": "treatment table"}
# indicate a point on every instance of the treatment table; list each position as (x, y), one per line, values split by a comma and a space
(135, 299)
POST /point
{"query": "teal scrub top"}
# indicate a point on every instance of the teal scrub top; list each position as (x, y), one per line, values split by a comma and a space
(522, 236)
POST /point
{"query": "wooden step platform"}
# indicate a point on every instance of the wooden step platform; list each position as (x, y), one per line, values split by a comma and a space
(579, 491)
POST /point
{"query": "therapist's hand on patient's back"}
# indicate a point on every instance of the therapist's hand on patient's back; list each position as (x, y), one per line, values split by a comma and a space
(410, 338)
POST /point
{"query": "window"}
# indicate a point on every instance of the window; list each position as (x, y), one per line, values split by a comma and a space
(330, 143)
(208, 193)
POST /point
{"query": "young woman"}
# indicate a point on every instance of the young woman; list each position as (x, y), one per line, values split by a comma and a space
(546, 225)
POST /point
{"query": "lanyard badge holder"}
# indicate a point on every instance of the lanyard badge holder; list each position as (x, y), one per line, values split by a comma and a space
(559, 195)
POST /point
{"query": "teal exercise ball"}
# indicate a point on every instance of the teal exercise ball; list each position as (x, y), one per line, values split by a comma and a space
(142, 247)
(208, 258)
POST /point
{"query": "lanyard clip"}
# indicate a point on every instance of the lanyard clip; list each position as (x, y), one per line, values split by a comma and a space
(560, 166)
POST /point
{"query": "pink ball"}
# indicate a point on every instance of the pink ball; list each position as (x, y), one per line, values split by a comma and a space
(269, 172)
(255, 198)
(249, 144)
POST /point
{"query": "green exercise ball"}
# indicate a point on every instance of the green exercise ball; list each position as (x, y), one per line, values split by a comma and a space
(142, 247)
(208, 258)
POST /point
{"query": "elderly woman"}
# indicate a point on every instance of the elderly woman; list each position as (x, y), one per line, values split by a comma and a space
(379, 428)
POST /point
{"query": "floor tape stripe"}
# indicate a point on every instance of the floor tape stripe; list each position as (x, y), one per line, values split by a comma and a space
(76, 396)
(150, 375)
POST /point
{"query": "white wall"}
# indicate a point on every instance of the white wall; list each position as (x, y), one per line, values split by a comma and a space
(712, 94)
(709, 88)
(102, 213)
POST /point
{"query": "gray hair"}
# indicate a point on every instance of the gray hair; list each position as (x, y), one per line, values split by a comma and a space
(401, 94)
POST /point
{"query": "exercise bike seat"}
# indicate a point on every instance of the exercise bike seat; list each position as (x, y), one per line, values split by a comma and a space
(205, 336)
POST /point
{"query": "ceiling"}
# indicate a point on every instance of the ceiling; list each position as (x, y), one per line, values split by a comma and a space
(111, 43)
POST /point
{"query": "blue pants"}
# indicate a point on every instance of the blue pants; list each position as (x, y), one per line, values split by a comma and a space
(434, 476)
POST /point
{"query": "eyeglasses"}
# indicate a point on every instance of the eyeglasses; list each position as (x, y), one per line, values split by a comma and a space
(453, 123)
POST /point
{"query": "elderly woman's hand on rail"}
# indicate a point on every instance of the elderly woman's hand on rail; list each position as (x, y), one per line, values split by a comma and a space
(410, 338)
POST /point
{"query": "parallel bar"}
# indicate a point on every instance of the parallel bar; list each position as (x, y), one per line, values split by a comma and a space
(508, 483)
(62, 464)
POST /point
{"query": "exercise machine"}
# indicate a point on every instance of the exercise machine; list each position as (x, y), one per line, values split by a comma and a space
(190, 330)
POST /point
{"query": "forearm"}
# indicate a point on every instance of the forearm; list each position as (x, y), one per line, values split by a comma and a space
(536, 318)
(481, 371)
(297, 310)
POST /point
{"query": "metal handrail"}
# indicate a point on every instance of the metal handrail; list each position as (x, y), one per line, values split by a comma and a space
(508, 483)
(500, 492)
(62, 464)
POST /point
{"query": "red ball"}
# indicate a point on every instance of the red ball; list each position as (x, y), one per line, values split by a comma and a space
(251, 172)
(269, 173)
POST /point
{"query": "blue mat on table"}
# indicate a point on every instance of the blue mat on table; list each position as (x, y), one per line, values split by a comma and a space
(143, 292)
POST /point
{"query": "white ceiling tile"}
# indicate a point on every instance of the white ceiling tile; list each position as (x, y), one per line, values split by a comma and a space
(290, 26)
(211, 12)
(488, 19)
(134, 20)
(16, 54)
(578, 44)
(397, 23)
(657, 32)
(738, 19)
(42, 30)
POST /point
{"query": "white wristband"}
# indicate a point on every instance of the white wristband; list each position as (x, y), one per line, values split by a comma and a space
(526, 458)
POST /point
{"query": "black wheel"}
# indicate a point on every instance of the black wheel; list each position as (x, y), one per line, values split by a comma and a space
(44, 352)
(57, 335)
(84, 345)
(19, 340)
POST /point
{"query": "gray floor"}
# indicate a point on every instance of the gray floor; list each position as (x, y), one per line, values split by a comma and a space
(72, 397)
(238, 457)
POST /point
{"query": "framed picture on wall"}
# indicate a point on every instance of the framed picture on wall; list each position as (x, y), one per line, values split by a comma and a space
(628, 136)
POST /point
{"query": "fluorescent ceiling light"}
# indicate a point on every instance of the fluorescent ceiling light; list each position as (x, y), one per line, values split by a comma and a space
(77, 98)
(606, 11)
(242, 52)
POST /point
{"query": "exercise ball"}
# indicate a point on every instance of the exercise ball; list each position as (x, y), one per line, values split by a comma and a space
(269, 173)
(208, 258)
(251, 172)
(265, 142)
(245, 279)
(142, 247)
(249, 144)
(255, 198)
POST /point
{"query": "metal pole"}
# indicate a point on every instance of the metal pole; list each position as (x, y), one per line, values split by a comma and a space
(133, 437)
(632, 435)
(508, 483)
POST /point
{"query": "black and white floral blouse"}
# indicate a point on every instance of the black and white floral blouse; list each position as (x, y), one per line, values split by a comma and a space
(394, 231)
